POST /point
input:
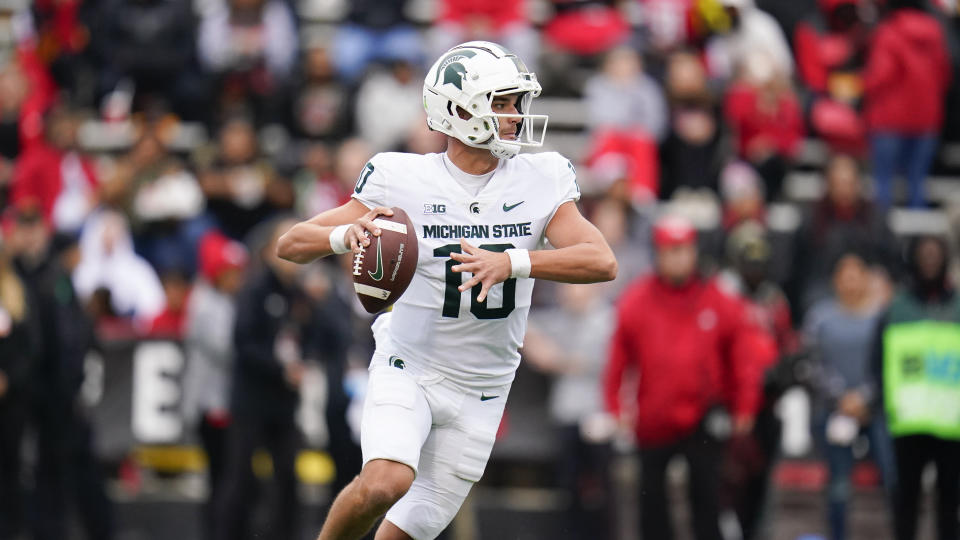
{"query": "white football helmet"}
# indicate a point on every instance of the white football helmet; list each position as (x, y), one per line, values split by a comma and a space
(469, 76)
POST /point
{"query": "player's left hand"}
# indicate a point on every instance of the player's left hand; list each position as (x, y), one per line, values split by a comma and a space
(488, 267)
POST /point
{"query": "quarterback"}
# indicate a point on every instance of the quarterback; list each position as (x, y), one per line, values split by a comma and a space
(447, 352)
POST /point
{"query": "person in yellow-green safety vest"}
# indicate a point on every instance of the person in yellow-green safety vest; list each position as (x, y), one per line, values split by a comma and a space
(917, 361)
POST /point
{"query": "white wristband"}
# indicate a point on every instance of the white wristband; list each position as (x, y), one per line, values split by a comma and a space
(519, 263)
(337, 237)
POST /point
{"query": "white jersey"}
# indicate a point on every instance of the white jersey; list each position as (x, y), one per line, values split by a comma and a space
(433, 324)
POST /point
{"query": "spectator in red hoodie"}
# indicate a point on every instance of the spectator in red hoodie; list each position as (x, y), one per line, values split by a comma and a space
(54, 176)
(699, 360)
(764, 115)
(906, 79)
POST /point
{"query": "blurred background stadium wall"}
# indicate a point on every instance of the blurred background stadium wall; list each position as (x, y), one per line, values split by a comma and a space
(163, 375)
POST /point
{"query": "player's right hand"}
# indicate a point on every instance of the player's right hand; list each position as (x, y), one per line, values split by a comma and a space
(356, 236)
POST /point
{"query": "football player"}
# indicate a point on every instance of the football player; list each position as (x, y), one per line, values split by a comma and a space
(447, 353)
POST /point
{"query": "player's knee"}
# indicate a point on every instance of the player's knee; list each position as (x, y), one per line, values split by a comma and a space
(382, 493)
(384, 484)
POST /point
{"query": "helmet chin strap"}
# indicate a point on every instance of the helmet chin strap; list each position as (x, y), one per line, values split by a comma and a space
(504, 149)
(500, 148)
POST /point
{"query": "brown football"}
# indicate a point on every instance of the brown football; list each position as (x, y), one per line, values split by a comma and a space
(384, 269)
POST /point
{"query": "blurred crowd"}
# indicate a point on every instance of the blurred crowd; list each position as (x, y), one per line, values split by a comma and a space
(152, 150)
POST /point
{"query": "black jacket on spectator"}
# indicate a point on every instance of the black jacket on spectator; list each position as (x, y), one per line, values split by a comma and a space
(152, 42)
(17, 348)
(378, 14)
(66, 467)
(265, 309)
(17, 353)
(66, 334)
(685, 163)
(264, 403)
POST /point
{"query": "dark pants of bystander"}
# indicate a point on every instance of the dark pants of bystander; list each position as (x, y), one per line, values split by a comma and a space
(912, 455)
(12, 419)
(280, 438)
(703, 454)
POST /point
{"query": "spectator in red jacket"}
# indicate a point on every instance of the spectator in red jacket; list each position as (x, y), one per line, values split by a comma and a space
(906, 79)
(698, 361)
(764, 115)
(54, 176)
(831, 53)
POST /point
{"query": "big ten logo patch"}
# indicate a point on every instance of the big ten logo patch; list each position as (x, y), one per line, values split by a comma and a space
(432, 209)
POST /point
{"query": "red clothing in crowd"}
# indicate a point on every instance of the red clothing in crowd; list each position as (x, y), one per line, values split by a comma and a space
(830, 62)
(821, 51)
(693, 347)
(641, 164)
(907, 75)
(41, 95)
(60, 27)
(38, 178)
(774, 313)
(169, 324)
(498, 15)
(586, 27)
(779, 126)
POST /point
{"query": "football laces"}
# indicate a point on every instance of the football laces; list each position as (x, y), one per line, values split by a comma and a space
(358, 258)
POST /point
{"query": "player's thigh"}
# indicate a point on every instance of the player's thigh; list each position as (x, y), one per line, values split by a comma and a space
(452, 459)
(396, 418)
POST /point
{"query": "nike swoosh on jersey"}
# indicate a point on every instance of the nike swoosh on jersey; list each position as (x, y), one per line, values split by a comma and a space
(484, 397)
(507, 208)
(377, 274)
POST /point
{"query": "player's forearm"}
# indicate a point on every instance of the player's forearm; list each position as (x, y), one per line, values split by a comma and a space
(305, 242)
(311, 239)
(581, 263)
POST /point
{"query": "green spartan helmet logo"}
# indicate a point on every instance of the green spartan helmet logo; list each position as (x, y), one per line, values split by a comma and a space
(452, 70)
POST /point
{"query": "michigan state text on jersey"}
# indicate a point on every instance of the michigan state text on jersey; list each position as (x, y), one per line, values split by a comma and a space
(447, 353)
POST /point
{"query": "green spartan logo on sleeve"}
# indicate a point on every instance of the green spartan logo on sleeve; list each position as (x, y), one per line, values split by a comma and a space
(396, 362)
